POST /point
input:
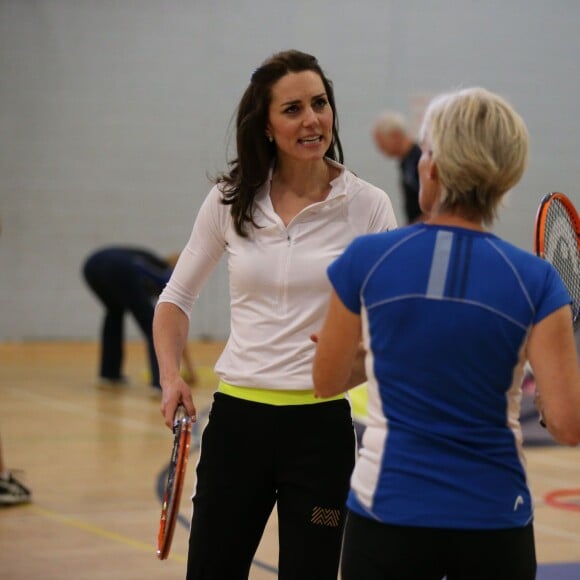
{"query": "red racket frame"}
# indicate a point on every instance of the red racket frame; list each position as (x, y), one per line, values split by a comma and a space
(171, 499)
(540, 225)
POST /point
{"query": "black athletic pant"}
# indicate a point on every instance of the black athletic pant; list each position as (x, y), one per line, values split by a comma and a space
(255, 455)
(377, 551)
(112, 276)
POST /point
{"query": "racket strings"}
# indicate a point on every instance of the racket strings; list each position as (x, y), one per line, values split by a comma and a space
(561, 249)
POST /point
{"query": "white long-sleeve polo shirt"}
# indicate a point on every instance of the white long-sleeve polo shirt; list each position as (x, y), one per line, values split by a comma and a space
(279, 290)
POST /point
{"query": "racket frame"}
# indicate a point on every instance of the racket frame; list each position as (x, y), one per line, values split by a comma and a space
(540, 228)
(542, 213)
(176, 474)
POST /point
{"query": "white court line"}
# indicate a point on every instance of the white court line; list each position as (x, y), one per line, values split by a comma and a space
(143, 426)
(557, 481)
(550, 531)
(89, 411)
(561, 463)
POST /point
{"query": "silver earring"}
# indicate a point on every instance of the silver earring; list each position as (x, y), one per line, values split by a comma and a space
(270, 138)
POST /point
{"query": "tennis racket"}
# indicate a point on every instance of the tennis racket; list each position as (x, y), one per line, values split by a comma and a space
(557, 240)
(174, 481)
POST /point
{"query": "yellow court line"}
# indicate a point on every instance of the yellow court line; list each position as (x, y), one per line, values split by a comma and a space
(97, 531)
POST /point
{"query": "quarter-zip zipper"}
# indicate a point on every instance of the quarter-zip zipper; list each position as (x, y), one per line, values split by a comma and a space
(286, 259)
(284, 277)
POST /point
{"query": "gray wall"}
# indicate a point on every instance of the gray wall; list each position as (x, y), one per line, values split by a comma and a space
(113, 113)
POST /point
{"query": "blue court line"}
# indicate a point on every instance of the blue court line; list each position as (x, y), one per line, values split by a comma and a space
(161, 478)
(568, 571)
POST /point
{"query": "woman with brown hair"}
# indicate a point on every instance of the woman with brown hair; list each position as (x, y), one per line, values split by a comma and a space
(286, 208)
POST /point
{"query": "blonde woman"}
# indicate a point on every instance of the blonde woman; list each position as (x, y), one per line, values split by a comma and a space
(449, 313)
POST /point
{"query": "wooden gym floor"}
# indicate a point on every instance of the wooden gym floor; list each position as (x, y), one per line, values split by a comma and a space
(94, 461)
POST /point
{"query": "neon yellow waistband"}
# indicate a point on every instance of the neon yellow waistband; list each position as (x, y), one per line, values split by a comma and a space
(273, 397)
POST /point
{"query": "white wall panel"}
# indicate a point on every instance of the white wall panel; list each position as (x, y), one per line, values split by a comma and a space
(113, 113)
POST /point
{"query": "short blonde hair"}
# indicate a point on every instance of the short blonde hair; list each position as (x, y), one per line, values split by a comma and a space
(479, 145)
(390, 121)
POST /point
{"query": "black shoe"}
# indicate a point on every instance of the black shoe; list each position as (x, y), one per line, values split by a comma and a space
(12, 492)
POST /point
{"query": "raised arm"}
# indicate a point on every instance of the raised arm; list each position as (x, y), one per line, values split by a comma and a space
(552, 354)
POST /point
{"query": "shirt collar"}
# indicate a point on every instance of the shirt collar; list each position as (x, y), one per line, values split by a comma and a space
(338, 186)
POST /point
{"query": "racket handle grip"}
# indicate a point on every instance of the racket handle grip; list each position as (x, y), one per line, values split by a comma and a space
(180, 413)
(180, 416)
